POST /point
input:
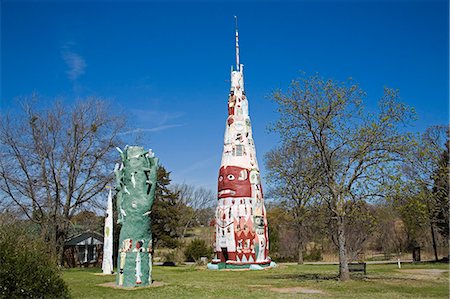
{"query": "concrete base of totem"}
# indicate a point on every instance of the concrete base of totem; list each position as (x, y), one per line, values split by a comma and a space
(114, 286)
(103, 274)
(231, 265)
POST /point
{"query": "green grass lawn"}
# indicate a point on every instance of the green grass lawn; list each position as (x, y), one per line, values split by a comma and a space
(285, 281)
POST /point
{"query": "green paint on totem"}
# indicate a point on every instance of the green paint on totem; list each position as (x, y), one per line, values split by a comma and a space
(135, 185)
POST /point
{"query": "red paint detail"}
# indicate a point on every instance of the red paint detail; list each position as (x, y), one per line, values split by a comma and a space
(220, 256)
(231, 104)
(229, 180)
(138, 244)
(244, 238)
(232, 256)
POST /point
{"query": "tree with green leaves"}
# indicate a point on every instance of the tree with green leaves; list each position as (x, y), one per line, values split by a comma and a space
(279, 220)
(424, 187)
(440, 193)
(165, 213)
(196, 249)
(413, 212)
(28, 270)
(356, 151)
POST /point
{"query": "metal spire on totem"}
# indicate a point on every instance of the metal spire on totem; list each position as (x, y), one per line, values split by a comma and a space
(242, 238)
(237, 45)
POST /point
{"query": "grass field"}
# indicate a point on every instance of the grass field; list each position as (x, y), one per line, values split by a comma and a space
(285, 281)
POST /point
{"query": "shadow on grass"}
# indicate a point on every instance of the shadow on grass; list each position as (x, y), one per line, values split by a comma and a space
(325, 277)
(306, 277)
(387, 277)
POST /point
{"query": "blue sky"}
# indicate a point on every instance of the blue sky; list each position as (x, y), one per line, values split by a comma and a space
(168, 64)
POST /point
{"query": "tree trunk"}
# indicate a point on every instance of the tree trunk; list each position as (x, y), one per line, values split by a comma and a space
(60, 239)
(343, 264)
(50, 236)
(433, 237)
(61, 255)
(183, 234)
(436, 257)
(300, 252)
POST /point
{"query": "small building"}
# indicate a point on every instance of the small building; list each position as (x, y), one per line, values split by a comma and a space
(85, 249)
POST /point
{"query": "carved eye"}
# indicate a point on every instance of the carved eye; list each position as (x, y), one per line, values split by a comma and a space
(230, 177)
(220, 178)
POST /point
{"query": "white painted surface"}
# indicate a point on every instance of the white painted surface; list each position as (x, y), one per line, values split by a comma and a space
(107, 264)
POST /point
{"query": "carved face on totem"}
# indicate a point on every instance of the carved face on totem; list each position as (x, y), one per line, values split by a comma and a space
(234, 182)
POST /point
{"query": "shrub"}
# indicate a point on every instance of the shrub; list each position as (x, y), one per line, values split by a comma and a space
(314, 255)
(280, 258)
(26, 269)
(196, 249)
(169, 258)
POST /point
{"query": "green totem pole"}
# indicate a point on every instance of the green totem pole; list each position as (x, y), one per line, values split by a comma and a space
(135, 185)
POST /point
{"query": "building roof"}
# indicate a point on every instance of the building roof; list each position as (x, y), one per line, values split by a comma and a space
(86, 238)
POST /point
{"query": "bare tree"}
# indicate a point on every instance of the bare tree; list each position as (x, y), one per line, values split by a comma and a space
(356, 150)
(195, 199)
(55, 160)
(294, 176)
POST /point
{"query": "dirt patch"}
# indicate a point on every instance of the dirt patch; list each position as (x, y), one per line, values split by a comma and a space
(260, 285)
(292, 290)
(433, 272)
(296, 290)
(114, 286)
(423, 274)
(306, 276)
(283, 266)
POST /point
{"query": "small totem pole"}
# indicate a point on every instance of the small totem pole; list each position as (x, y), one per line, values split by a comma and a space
(107, 264)
(135, 185)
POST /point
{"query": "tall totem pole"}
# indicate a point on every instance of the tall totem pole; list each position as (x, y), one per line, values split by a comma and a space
(135, 185)
(242, 239)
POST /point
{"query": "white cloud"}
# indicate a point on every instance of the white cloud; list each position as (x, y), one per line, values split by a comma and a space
(155, 129)
(75, 63)
(156, 117)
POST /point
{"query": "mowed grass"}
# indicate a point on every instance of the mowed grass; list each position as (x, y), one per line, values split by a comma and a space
(285, 281)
